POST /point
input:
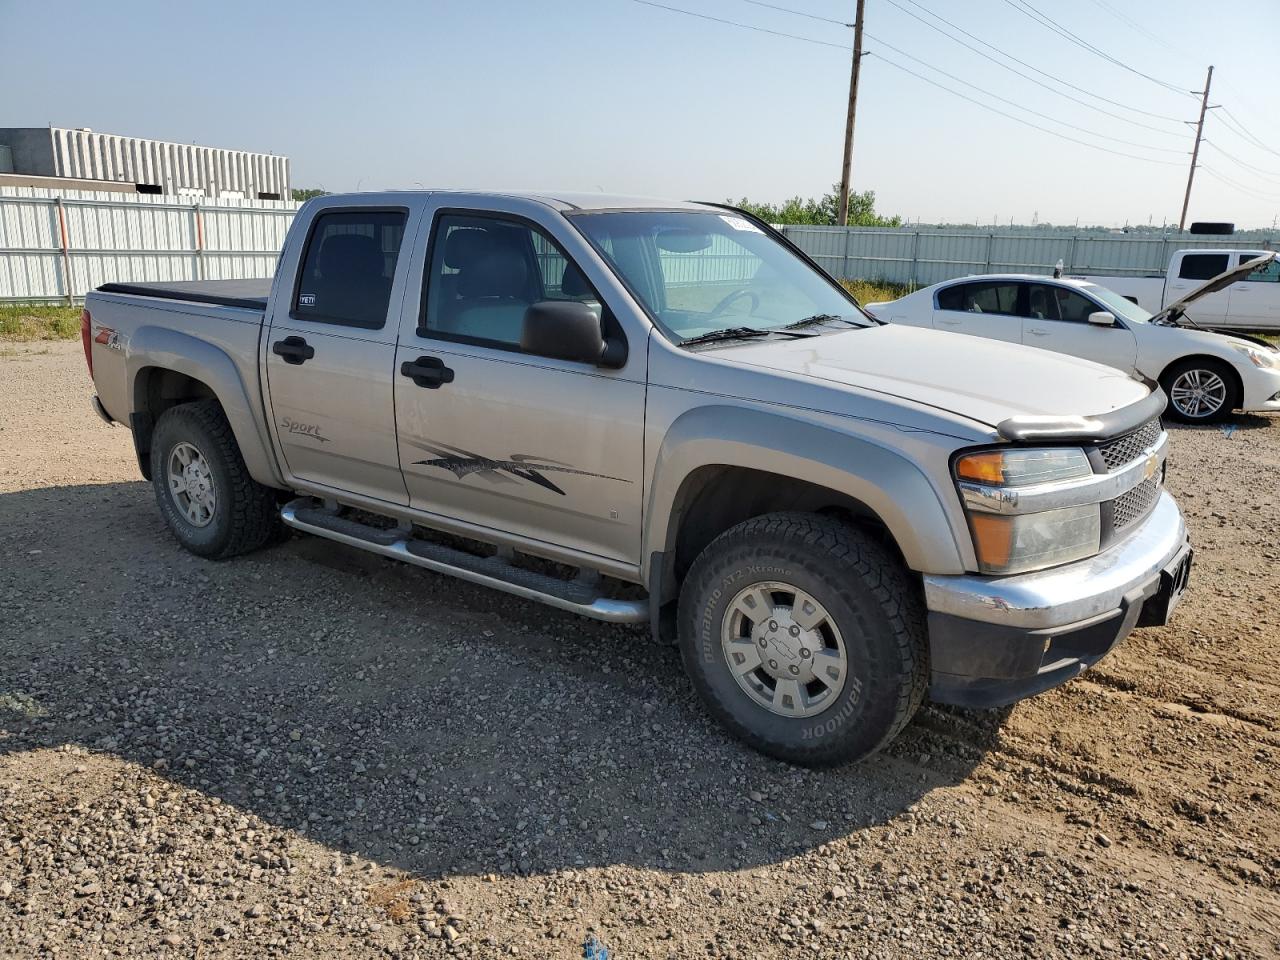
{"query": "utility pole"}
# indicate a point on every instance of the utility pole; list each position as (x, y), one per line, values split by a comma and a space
(1195, 151)
(848, 123)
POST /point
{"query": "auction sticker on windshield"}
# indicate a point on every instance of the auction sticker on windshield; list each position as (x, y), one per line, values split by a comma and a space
(739, 224)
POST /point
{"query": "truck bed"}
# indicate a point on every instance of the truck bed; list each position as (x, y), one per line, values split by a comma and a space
(250, 294)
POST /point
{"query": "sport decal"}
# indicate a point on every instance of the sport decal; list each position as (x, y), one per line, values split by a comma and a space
(463, 463)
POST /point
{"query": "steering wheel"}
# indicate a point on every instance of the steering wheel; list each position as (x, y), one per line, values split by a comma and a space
(741, 292)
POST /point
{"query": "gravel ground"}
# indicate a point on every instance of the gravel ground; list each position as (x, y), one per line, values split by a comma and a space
(312, 752)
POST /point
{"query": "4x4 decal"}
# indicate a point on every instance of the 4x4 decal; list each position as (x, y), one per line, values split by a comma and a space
(463, 463)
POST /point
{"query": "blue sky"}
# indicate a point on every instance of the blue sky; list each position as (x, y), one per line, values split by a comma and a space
(613, 94)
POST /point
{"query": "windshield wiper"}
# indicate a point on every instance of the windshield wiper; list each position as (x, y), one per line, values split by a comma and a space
(728, 333)
(818, 318)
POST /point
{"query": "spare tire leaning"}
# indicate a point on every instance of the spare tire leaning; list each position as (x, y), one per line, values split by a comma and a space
(1212, 228)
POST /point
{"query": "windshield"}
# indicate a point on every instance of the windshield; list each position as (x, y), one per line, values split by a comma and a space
(1126, 310)
(703, 272)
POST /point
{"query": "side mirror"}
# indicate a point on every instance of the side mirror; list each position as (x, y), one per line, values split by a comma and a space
(1103, 318)
(568, 330)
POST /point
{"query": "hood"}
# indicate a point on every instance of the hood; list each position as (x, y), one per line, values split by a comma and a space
(985, 380)
(1212, 285)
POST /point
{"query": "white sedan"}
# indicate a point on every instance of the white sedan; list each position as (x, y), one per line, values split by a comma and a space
(1206, 375)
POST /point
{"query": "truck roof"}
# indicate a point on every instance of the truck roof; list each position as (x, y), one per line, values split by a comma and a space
(560, 200)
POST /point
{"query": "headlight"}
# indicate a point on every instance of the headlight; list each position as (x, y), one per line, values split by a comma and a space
(1260, 358)
(1007, 542)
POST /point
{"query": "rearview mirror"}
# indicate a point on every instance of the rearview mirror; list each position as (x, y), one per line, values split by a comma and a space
(682, 240)
(567, 330)
(1103, 318)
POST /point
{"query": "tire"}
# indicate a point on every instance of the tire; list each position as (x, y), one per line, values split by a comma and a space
(871, 608)
(233, 513)
(1215, 376)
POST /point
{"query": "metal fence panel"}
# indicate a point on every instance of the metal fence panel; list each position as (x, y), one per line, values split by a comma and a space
(58, 245)
(920, 257)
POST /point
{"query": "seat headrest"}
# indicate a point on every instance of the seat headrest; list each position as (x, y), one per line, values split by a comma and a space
(464, 245)
(574, 284)
(350, 254)
(497, 273)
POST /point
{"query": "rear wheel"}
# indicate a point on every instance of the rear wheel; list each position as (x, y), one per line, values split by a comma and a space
(1200, 390)
(805, 638)
(203, 487)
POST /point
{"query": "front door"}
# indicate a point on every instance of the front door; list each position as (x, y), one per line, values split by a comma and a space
(1255, 300)
(547, 449)
(330, 353)
(1058, 319)
(982, 308)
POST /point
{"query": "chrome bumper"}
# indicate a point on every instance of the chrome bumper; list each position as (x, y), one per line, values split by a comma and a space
(1067, 594)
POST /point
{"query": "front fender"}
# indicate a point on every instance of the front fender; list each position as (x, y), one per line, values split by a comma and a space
(887, 483)
(170, 350)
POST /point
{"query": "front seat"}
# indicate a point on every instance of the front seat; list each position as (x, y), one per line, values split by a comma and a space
(493, 294)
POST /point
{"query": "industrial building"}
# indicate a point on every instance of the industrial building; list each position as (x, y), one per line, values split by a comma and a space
(82, 159)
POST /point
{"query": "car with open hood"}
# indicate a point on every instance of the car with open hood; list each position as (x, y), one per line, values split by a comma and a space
(1206, 374)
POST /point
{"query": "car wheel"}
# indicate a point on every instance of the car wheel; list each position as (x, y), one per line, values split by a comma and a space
(1200, 391)
(204, 490)
(805, 637)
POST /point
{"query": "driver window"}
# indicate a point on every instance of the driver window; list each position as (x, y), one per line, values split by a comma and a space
(484, 274)
(1048, 302)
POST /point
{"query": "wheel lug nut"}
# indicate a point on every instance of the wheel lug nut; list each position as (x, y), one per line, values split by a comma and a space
(773, 624)
(773, 664)
(763, 643)
(795, 631)
(804, 651)
(794, 669)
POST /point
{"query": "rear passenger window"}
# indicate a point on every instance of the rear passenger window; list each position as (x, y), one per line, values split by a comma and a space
(1268, 274)
(348, 267)
(988, 297)
(1203, 266)
(484, 274)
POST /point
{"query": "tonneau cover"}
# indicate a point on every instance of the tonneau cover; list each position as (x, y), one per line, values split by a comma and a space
(250, 294)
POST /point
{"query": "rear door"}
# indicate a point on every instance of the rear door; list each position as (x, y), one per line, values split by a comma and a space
(1058, 319)
(1190, 270)
(329, 353)
(982, 308)
(1255, 300)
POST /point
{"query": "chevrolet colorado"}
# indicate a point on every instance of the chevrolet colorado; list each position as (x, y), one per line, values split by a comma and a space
(660, 412)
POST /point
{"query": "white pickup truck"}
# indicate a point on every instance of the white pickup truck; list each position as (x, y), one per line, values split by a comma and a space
(1252, 303)
(664, 412)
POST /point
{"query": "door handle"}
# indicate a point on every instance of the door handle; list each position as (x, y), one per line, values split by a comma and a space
(429, 372)
(1038, 332)
(294, 350)
(948, 323)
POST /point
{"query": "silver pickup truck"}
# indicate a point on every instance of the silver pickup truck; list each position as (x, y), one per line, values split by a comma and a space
(660, 412)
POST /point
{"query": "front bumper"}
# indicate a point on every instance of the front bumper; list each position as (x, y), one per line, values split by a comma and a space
(996, 640)
(1261, 388)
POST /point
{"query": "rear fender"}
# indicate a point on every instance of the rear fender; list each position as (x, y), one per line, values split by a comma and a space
(241, 402)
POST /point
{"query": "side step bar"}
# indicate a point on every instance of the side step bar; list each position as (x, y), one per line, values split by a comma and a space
(575, 596)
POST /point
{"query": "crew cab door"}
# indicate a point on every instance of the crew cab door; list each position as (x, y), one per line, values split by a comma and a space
(1190, 270)
(329, 352)
(983, 308)
(491, 435)
(1255, 300)
(1058, 319)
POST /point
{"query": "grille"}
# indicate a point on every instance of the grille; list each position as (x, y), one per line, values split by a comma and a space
(1126, 449)
(1135, 504)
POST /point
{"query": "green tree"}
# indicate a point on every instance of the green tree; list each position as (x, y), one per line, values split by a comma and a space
(301, 195)
(822, 211)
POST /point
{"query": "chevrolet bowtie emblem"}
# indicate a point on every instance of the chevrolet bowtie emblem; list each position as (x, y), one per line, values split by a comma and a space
(1152, 465)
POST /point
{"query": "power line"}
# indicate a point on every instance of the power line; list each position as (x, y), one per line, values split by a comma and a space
(1250, 191)
(1025, 8)
(1030, 66)
(907, 70)
(798, 13)
(1028, 123)
(1270, 174)
(744, 26)
(1233, 123)
(1016, 105)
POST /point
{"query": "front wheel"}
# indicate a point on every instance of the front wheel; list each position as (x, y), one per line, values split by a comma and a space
(805, 638)
(1200, 391)
(202, 486)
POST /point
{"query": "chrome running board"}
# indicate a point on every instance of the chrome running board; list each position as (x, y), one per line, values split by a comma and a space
(575, 596)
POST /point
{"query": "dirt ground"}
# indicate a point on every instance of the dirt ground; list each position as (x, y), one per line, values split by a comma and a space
(315, 753)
